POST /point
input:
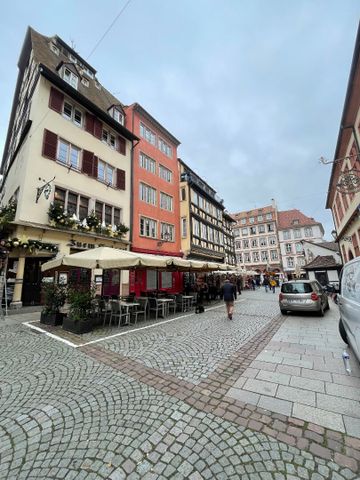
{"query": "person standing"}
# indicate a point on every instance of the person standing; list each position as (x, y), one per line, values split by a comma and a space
(239, 285)
(272, 285)
(266, 284)
(229, 293)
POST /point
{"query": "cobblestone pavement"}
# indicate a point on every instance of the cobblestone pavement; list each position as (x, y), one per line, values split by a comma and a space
(110, 411)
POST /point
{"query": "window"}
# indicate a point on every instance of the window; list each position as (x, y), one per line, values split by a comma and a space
(166, 202)
(70, 77)
(247, 257)
(295, 222)
(260, 218)
(85, 82)
(184, 227)
(105, 172)
(83, 208)
(194, 198)
(164, 147)
(252, 230)
(272, 240)
(244, 231)
(107, 213)
(252, 220)
(183, 194)
(203, 230)
(238, 245)
(288, 247)
(165, 173)
(60, 196)
(287, 234)
(243, 221)
(245, 243)
(54, 48)
(118, 116)
(299, 247)
(167, 232)
(147, 194)
(253, 243)
(256, 257)
(270, 227)
(290, 262)
(301, 261)
(308, 232)
(273, 254)
(148, 227)
(261, 228)
(70, 112)
(269, 216)
(72, 202)
(108, 138)
(236, 232)
(68, 154)
(239, 258)
(196, 227)
(262, 242)
(148, 134)
(148, 163)
(297, 233)
(264, 256)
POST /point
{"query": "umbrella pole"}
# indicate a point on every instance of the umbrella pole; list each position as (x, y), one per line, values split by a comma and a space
(120, 281)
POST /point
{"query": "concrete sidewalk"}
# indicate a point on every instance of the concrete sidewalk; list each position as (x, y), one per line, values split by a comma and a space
(301, 374)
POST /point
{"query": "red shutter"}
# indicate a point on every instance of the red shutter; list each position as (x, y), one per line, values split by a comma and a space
(120, 179)
(97, 128)
(87, 162)
(56, 100)
(49, 144)
(89, 123)
(121, 145)
(95, 167)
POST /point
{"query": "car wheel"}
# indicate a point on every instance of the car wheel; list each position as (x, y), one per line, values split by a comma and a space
(283, 312)
(342, 332)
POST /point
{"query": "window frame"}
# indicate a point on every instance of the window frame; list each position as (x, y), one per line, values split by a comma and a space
(145, 160)
(70, 147)
(167, 198)
(72, 78)
(147, 192)
(152, 226)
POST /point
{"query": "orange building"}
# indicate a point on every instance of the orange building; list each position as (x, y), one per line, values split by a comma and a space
(155, 199)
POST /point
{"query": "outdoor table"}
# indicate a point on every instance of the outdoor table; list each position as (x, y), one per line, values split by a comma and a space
(188, 299)
(128, 306)
(165, 305)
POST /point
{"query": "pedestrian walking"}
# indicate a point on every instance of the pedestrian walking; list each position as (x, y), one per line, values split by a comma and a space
(239, 285)
(266, 284)
(229, 294)
(272, 285)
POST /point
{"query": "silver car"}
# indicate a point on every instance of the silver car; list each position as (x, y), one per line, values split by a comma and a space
(303, 296)
(349, 305)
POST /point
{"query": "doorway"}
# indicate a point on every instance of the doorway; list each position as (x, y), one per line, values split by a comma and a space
(322, 277)
(31, 291)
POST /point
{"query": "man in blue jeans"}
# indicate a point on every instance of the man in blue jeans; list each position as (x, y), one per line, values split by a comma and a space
(229, 293)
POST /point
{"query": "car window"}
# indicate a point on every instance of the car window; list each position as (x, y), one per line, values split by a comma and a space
(297, 287)
(350, 282)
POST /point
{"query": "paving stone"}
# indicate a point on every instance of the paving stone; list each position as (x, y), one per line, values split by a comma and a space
(316, 415)
(244, 395)
(316, 375)
(288, 370)
(250, 372)
(275, 405)
(296, 395)
(308, 384)
(338, 404)
(345, 391)
(274, 377)
(270, 367)
(259, 386)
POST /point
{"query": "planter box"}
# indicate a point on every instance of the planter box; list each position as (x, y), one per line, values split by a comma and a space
(52, 318)
(79, 326)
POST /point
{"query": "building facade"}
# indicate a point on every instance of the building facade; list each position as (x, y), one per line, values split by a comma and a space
(256, 240)
(293, 227)
(323, 262)
(155, 206)
(66, 165)
(344, 186)
(205, 233)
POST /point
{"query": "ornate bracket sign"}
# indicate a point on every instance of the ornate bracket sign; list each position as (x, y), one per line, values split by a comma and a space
(349, 181)
(46, 189)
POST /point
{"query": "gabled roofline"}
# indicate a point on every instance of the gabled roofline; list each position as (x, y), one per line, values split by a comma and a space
(320, 244)
(75, 54)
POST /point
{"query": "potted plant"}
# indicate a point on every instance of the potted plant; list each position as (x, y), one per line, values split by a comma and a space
(54, 299)
(79, 319)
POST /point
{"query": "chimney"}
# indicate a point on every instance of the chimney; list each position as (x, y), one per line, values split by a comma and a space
(273, 203)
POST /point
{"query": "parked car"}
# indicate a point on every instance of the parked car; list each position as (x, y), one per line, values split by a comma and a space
(349, 305)
(303, 296)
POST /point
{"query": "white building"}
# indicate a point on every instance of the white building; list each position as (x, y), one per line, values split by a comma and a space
(293, 228)
(323, 261)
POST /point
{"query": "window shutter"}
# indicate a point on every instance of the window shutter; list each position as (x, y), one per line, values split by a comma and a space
(89, 123)
(97, 128)
(56, 100)
(95, 167)
(120, 179)
(49, 144)
(87, 162)
(121, 145)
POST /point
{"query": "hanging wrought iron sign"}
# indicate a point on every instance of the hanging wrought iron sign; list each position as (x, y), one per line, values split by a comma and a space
(349, 181)
(45, 189)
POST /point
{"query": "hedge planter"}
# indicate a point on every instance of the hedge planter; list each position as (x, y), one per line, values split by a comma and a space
(77, 326)
(52, 318)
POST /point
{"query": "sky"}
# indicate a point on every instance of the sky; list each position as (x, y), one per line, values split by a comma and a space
(253, 89)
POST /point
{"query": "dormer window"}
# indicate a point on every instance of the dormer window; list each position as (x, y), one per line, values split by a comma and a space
(85, 82)
(72, 58)
(117, 115)
(54, 48)
(70, 77)
(295, 222)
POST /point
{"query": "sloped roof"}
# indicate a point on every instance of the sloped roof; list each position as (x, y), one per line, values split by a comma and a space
(287, 218)
(333, 246)
(322, 261)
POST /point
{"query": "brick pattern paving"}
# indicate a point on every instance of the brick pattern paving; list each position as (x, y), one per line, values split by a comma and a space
(210, 396)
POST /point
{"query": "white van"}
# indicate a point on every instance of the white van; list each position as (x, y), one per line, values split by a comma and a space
(349, 305)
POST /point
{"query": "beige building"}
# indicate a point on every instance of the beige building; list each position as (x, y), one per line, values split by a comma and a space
(204, 223)
(66, 144)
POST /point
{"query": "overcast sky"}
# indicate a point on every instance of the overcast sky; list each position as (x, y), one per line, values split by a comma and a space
(253, 89)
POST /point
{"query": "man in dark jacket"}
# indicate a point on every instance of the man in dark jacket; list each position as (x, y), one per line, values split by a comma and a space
(229, 293)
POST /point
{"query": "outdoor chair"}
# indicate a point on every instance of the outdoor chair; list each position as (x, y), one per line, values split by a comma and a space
(172, 305)
(180, 303)
(141, 310)
(155, 306)
(117, 313)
